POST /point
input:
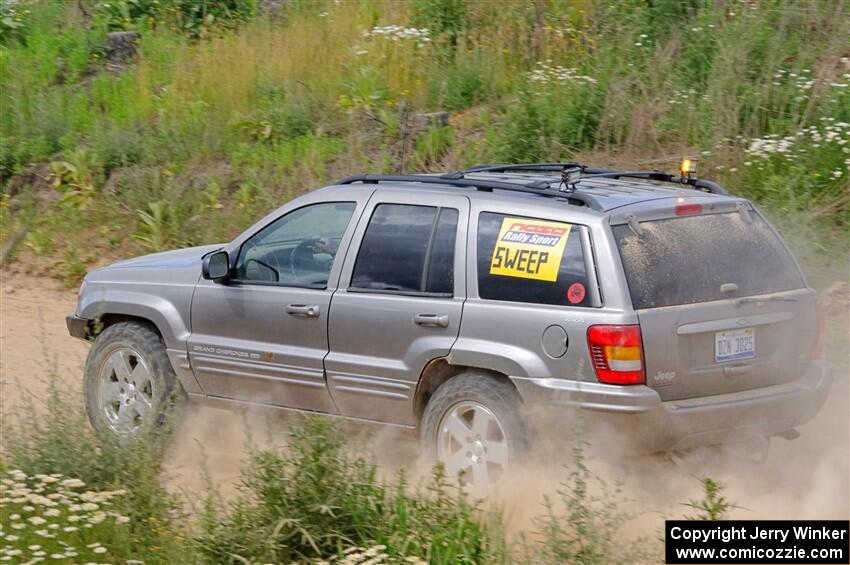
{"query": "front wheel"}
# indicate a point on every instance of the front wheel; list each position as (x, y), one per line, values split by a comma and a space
(128, 380)
(474, 426)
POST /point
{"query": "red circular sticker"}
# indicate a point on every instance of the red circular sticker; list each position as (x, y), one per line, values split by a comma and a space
(575, 294)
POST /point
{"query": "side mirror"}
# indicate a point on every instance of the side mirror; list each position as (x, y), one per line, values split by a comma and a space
(216, 266)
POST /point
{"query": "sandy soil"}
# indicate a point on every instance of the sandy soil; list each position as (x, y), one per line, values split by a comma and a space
(33, 338)
(34, 344)
(804, 478)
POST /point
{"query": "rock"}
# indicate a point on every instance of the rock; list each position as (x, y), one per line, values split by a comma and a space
(429, 119)
(121, 46)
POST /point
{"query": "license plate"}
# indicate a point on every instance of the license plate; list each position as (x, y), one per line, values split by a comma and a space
(734, 344)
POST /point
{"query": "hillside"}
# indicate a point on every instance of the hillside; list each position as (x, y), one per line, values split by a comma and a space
(227, 110)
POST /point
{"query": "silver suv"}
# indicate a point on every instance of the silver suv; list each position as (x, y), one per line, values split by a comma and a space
(656, 302)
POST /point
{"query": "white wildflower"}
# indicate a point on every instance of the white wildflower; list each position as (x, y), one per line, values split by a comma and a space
(73, 483)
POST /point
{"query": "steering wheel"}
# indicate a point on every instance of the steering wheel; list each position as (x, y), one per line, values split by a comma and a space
(302, 258)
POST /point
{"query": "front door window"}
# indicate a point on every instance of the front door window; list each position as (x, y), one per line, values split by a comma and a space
(297, 249)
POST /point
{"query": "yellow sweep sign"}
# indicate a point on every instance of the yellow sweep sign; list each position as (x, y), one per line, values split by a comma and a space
(529, 249)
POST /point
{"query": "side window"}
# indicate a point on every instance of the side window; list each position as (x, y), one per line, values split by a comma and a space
(407, 248)
(297, 249)
(441, 274)
(530, 260)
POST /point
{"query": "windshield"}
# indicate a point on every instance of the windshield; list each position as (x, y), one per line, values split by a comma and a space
(702, 258)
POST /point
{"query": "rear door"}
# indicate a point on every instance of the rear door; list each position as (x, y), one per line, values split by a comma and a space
(722, 305)
(399, 303)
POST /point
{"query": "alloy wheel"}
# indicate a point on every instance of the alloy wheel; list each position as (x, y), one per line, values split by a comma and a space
(472, 443)
(126, 391)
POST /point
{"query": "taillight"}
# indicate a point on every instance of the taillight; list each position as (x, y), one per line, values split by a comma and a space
(616, 354)
(688, 209)
(817, 345)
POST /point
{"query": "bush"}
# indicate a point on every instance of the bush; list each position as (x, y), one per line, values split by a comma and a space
(557, 113)
(317, 499)
(194, 17)
(582, 528)
(466, 84)
(13, 21)
(713, 505)
(448, 18)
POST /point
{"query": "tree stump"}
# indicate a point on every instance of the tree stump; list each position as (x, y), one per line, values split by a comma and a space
(121, 46)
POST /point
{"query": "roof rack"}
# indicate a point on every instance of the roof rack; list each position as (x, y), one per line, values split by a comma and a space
(532, 167)
(540, 187)
(589, 172)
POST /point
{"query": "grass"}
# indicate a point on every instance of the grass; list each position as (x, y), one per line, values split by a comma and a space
(317, 499)
(70, 496)
(217, 121)
(206, 130)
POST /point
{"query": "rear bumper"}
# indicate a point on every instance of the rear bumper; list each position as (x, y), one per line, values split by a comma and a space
(77, 327)
(638, 413)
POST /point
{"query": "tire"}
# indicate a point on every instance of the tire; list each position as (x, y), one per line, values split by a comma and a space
(474, 425)
(130, 384)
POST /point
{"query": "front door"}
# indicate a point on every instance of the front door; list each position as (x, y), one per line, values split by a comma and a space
(399, 303)
(262, 336)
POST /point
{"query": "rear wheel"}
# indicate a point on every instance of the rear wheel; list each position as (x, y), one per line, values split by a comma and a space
(128, 380)
(473, 425)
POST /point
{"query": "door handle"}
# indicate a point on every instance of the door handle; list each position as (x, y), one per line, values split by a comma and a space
(737, 370)
(431, 320)
(303, 310)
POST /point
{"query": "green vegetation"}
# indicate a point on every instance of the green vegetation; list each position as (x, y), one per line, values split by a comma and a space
(316, 500)
(70, 496)
(713, 505)
(231, 107)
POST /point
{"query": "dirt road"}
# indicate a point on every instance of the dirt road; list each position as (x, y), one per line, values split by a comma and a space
(807, 477)
(33, 337)
(34, 344)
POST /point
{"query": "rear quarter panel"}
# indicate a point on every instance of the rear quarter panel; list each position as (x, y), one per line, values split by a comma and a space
(507, 337)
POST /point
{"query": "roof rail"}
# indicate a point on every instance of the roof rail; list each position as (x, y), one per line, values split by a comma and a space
(700, 184)
(589, 172)
(541, 188)
(533, 167)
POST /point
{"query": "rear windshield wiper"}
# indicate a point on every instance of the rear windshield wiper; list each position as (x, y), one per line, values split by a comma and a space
(752, 299)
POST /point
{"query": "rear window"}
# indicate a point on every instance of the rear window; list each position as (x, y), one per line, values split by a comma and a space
(530, 260)
(687, 260)
(408, 248)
